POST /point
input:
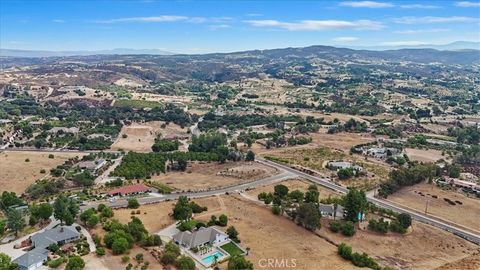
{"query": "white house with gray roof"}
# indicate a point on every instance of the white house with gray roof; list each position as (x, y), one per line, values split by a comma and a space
(39, 254)
(202, 236)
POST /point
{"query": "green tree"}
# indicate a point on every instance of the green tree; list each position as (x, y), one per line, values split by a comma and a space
(312, 194)
(120, 246)
(355, 203)
(250, 156)
(296, 195)
(238, 262)
(93, 221)
(276, 209)
(75, 263)
(185, 263)
(133, 203)
(348, 229)
(15, 221)
(86, 215)
(232, 233)
(65, 210)
(6, 263)
(222, 220)
(182, 209)
(43, 211)
(308, 216)
(405, 220)
(280, 190)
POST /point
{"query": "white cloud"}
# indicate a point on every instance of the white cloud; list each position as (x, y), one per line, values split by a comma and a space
(345, 39)
(404, 43)
(431, 19)
(219, 26)
(419, 6)
(467, 4)
(164, 18)
(421, 31)
(318, 25)
(58, 21)
(366, 4)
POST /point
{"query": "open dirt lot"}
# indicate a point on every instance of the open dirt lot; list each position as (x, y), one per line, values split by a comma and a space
(466, 214)
(213, 175)
(470, 262)
(109, 261)
(156, 217)
(141, 136)
(422, 155)
(272, 237)
(16, 174)
(425, 247)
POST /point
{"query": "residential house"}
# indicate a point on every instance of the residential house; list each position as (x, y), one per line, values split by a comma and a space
(203, 236)
(332, 211)
(91, 165)
(39, 254)
(337, 165)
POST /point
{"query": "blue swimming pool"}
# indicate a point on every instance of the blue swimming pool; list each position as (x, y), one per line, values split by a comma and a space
(211, 258)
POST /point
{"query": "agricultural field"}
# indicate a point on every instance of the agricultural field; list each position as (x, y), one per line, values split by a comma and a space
(464, 213)
(200, 175)
(17, 174)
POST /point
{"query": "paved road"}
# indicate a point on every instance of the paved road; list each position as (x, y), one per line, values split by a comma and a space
(470, 236)
(121, 202)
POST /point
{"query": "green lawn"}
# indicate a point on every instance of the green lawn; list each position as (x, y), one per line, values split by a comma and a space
(232, 249)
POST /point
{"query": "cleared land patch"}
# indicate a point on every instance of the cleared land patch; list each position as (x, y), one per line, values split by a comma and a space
(17, 174)
(213, 175)
(416, 197)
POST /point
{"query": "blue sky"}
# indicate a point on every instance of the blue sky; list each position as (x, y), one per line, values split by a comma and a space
(223, 26)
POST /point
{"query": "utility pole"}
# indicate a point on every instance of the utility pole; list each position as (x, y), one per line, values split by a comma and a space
(426, 206)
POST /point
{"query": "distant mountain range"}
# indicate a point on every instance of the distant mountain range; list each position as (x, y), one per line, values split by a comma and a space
(119, 51)
(454, 46)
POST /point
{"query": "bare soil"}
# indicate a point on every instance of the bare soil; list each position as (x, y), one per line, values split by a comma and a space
(199, 176)
(415, 197)
(141, 136)
(422, 155)
(16, 174)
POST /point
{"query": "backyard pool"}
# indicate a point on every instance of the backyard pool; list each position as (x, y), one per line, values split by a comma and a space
(211, 258)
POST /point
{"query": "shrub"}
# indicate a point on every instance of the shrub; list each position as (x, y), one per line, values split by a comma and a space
(276, 209)
(55, 263)
(133, 203)
(100, 251)
(139, 257)
(120, 245)
(335, 226)
(348, 229)
(405, 220)
(125, 258)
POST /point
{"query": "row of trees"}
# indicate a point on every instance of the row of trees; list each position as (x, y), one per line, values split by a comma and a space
(408, 177)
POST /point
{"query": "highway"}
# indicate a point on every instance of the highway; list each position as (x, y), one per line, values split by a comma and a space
(456, 230)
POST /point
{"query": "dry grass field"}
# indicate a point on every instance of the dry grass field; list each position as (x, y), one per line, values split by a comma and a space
(109, 261)
(273, 237)
(213, 175)
(316, 159)
(141, 136)
(470, 263)
(16, 174)
(430, 155)
(415, 197)
(425, 247)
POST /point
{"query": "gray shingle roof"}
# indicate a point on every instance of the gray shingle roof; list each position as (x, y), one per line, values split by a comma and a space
(196, 238)
(31, 258)
(55, 235)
